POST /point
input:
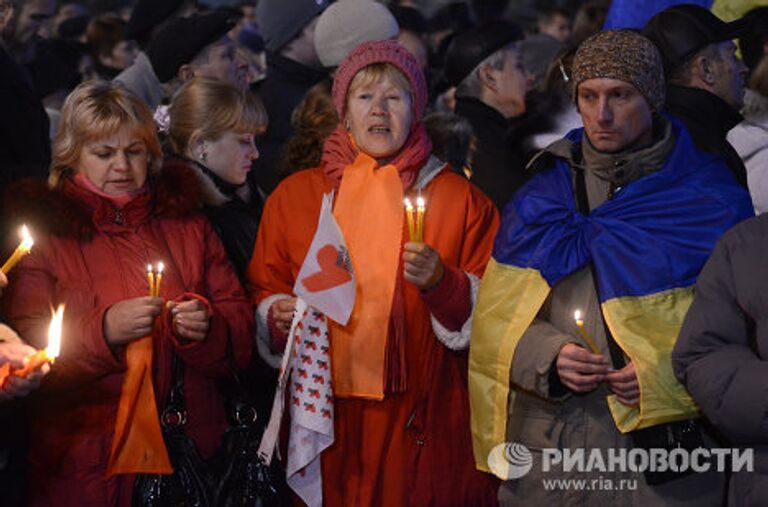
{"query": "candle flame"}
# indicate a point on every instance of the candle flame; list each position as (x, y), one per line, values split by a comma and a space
(160, 267)
(408, 204)
(577, 315)
(149, 268)
(26, 239)
(421, 203)
(54, 333)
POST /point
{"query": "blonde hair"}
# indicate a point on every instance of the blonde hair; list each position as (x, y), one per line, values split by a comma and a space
(212, 108)
(376, 72)
(95, 110)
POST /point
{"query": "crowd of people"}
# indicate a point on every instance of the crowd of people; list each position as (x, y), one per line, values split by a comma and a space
(317, 252)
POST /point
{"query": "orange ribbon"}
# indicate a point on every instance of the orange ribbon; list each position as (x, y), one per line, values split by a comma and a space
(369, 211)
(138, 445)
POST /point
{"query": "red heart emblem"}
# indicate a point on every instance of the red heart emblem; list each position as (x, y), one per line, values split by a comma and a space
(330, 275)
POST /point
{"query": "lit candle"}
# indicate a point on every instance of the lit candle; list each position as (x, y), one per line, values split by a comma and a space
(409, 216)
(421, 207)
(151, 280)
(48, 355)
(584, 334)
(159, 278)
(23, 249)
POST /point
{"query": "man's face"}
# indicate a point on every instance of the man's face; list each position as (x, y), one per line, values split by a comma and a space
(559, 28)
(34, 17)
(218, 61)
(302, 48)
(513, 84)
(6, 13)
(615, 115)
(730, 73)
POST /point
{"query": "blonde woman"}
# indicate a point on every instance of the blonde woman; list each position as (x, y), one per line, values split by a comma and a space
(212, 130)
(108, 211)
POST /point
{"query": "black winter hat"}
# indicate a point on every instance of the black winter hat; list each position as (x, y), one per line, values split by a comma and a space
(184, 38)
(470, 48)
(73, 28)
(409, 18)
(147, 14)
(683, 30)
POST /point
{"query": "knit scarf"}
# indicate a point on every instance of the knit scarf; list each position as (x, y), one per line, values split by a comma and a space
(370, 202)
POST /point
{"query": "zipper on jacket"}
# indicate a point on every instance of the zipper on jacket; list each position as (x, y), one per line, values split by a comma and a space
(118, 216)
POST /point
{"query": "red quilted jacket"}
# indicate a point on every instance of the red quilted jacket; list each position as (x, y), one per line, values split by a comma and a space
(90, 255)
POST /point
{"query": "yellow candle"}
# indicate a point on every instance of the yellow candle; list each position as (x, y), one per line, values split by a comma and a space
(23, 249)
(409, 216)
(35, 361)
(584, 334)
(151, 280)
(159, 278)
(39, 358)
(421, 207)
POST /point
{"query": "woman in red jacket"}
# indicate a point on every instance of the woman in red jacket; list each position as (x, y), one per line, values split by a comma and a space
(107, 212)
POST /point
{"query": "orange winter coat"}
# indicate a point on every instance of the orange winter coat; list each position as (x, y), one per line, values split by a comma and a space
(412, 448)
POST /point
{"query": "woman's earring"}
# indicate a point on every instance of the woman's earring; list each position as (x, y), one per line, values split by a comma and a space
(203, 156)
(346, 124)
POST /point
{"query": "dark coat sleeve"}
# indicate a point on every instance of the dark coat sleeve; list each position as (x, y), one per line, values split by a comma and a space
(715, 357)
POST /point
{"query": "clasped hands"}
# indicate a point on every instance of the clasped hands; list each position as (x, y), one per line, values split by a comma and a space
(582, 371)
(131, 319)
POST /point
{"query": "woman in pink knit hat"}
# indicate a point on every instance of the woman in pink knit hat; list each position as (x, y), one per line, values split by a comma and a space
(399, 366)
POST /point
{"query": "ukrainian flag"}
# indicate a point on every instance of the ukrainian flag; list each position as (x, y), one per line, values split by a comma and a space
(647, 244)
(634, 13)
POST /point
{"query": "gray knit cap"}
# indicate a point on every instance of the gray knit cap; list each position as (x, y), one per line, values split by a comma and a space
(348, 23)
(625, 55)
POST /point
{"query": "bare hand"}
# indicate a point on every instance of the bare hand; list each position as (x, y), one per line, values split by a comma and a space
(191, 319)
(3, 281)
(15, 387)
(624, 385)
(131, 319)
(422, 265)
(282, 313)
(580, 370)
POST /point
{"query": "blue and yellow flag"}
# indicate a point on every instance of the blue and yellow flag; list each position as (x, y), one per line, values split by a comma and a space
(647, 244)
(635, 14)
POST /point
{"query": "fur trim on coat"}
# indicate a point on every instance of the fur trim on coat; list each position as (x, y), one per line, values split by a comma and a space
(175, 194)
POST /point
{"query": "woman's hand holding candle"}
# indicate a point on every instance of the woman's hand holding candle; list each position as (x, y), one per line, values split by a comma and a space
(422, 265)
(16, 355)
(191, 319)
(131, 319)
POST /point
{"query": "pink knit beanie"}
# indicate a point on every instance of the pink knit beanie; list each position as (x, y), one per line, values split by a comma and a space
(386, 51)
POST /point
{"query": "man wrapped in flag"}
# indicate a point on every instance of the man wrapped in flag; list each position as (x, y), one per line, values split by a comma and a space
(616, 224)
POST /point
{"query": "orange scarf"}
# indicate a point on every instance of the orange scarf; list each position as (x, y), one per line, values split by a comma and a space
(368, 354)
(138, 445)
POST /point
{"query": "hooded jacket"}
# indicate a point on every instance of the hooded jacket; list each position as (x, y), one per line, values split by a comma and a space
(750, 140)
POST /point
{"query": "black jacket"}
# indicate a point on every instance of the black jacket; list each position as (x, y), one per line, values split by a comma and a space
(285, 86)
(498, 166)
(25, 148)
(231, 209)
(708, 118)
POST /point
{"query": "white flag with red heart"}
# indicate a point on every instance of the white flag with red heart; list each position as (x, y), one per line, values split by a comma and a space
(326, 280)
